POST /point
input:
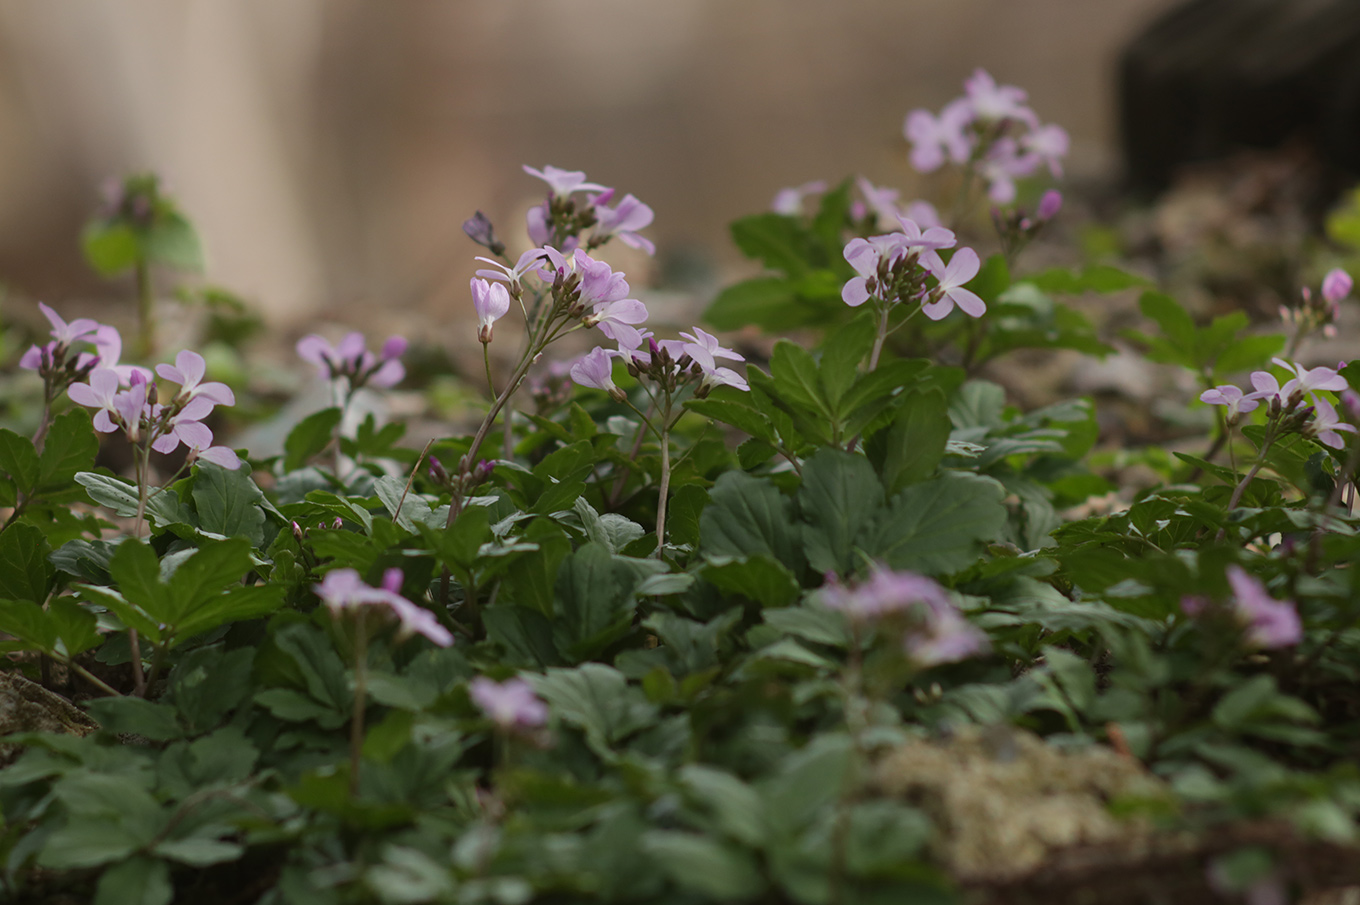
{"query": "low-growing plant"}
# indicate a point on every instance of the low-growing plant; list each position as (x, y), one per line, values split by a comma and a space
(655, 633)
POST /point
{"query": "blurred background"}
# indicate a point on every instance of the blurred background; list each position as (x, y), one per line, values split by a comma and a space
(329, 150)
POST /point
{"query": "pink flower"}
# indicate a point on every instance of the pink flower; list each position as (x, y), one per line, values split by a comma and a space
(882, 201)
(950, 292)
(991, 102)
(342, 589)
(789, 201)
(704, 348)
(1048, 145)
(350, 359)
(1049, 204)
(599, 283)
(563, 182)
(491, 302)
(1325, 424)
(1231, 397)
(511, 704)
(936, 139)
(1269, 623)
(188, 371)
(595, 369)
(617, 320)
(946, 637)
(1336, 285)
(623, 221)
(100, 392)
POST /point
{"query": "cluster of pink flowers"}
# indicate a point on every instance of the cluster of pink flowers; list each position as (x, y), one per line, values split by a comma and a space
(1268, 623)
(990, 130)
(561, 219)
(55, 362)
(511, 705)
(343, 589)
(350, 360)
(144, 419)
(1318, 418)
(937, 632)
(667, 362)
(1324, 309)
(892, 269)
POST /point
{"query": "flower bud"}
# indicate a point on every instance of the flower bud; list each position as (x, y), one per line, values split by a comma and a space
(1049, 204)
(479, 229)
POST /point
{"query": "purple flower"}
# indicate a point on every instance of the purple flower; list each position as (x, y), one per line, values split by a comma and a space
(932, 239)
(351, 360)
(1049, 204)
(1325, 424)
(491, 301)
(866, 255)
(511, 704)
(563, 182)
(1002, 165)
(100, 392)
(950, 292)
(935, 139)
(342, 589)
(991, 102)
(617, 320)
(946, 637)
(595, 369)
(1231, 397)
(1336, 285)
(188, 371)
(884, 592)
(923, 214)
(623, 221)
(882, 201)
(721, 377)
(789, 201)
(528, 261)
(1047, 145)
(704, 348)
(1269, 623)
(599, 283)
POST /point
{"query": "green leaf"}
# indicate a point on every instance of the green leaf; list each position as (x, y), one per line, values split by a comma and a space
(597, 699)
(763, 301)
(312, 435)
(781, 243)
(747, 516)
(704, 865)
(197, 851)
(761, 578)
(110, 247)
(163, 506)
(912, 447)
(806, 782)
(87, 842)
(172, 241)
(842, 352)
(939, 526)
(839, 500)
(796, 377)
(737, 809)
(19, 460)
(76, 626)
(738, 414)
(70, 448)
(136, 716)
(525, 634)
(594, 603)
(137, 881)
(228, 503)
(25, 573)
(28, 622)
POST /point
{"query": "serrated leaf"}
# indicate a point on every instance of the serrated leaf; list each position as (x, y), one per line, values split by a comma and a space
(913, 445)
(137, 881)
(228, 503)
(701, 864)
(25, 573)
(597, 699)
(747, 516)
(839, 501)
(594, 603)
(760, 578)
(19, 460)
(312, 435)
(781, 243)
(70, 448)
(939, 526)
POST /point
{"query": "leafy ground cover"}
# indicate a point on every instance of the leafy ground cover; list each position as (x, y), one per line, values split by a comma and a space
(668, 625)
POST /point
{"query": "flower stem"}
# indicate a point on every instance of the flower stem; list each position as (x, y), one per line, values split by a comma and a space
(143, 455)
(882, 335)
(665, 479)
(146, 314)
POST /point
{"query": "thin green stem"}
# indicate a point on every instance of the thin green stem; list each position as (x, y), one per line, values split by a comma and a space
(146, 313)
(881, 336)
(143, 454)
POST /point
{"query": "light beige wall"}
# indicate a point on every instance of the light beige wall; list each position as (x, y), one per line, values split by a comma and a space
(329, 149)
